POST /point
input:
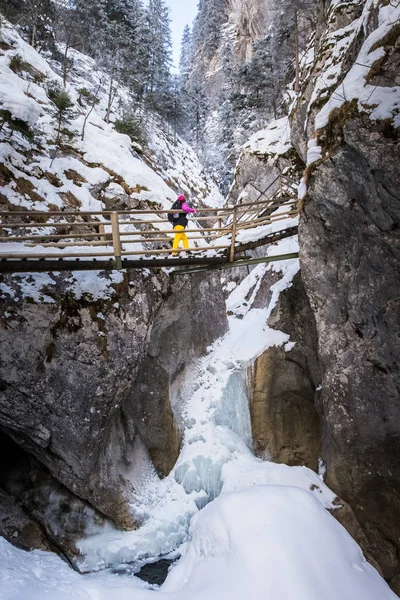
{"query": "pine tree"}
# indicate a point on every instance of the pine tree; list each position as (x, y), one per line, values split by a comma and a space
(197, 110)
(212, 14)
(186, 56)
(258, 78)
(36, 19)
(158, 84)
(110, 59)
(295, 21)
(63, 112)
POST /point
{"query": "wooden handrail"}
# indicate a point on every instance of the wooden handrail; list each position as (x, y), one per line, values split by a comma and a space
(110, 240)
(112, 227)
(168, 250)
(266, 221)
(65, 224)
(76, 213)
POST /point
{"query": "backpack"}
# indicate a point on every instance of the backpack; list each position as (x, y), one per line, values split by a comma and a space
(172, 217)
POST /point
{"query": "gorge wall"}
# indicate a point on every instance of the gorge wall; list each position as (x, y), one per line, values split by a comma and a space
(87, 380)
(350, 252)
(242, 60)
(344, 132)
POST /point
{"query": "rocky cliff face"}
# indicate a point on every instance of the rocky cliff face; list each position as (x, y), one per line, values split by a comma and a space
(344, 129)
(68, 365)
(88, 372)
(249, 19)
(285, 386)
(350, 253)
(226, 74)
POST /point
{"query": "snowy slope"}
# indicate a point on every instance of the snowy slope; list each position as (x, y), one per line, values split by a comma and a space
(25, 96)
(272, 141)
(378, 101)
(83, 174)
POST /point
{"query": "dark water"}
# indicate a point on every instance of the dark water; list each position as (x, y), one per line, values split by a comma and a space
(154, 573)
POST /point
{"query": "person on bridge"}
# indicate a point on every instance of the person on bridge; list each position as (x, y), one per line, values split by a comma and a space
(180, 221)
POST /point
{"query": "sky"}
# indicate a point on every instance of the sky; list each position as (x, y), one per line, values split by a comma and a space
(182, 12)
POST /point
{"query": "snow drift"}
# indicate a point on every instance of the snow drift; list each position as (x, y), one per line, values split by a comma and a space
(262, 543)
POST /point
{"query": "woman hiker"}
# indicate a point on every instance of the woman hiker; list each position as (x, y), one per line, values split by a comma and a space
(179, 221)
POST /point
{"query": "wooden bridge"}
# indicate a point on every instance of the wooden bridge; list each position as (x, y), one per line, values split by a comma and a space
(74, 240)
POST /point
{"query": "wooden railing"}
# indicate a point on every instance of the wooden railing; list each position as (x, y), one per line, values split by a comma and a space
(285, 189)
(107, 234)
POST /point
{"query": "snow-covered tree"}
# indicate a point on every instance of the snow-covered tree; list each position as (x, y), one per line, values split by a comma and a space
(158, 84)
(212, 14)
(260, 78)
(196, 112)
(185, 62)
(294, 21)
(35, 17)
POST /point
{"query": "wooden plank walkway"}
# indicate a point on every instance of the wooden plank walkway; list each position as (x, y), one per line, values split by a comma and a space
(73, 240)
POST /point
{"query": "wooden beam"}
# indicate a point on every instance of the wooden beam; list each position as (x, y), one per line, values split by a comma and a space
(10, 213)
(49, 266)
(63, 224)
(239, 263)
(17, 256)
(169, 251)
(267, 220)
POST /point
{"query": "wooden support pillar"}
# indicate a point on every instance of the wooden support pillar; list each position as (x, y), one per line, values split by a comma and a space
(234, 225)
(116, 240)
(102, 232)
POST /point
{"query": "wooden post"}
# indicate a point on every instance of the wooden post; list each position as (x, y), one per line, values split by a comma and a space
(116, 240)
(234, 222)
(280, 184)
(102, 232)
(219, 223)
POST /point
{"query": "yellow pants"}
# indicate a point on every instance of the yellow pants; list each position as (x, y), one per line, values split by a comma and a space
(180, 237)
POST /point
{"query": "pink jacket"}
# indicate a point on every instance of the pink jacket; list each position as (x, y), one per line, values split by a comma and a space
(187, 208)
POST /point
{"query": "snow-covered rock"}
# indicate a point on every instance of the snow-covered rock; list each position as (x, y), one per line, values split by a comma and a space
(264, 157)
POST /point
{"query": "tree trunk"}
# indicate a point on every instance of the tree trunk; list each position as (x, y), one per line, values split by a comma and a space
(96, 95)
(65, 65)
(110, 99)
(297, 78)
(34, 29)
(59, 128)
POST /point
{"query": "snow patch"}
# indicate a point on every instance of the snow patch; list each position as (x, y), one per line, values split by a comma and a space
(272, 141)
(92, 283)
